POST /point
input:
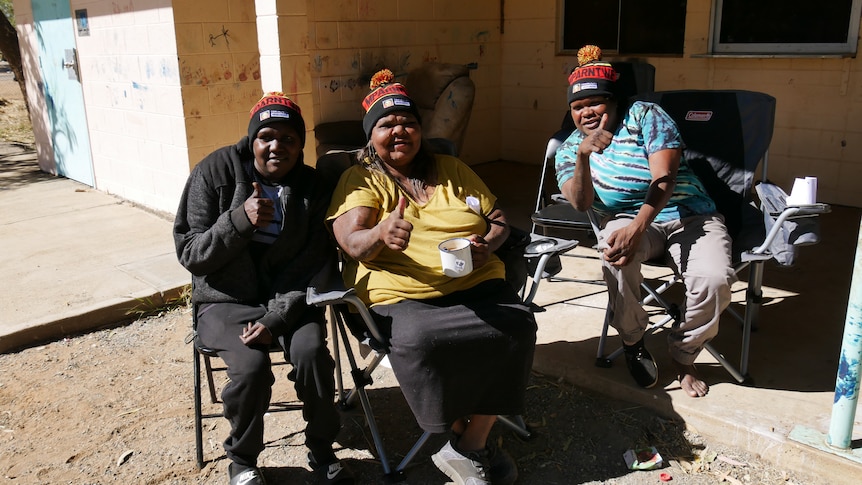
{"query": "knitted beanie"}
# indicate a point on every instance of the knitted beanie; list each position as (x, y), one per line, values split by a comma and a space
(592, 77)
(385, 97)
(275, 107)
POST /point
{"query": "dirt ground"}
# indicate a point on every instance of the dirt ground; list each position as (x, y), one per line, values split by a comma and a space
(115, 406)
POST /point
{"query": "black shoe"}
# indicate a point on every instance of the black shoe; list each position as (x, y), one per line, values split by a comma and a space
(334, 472)
(245, 475)
(641, 365)
(502, 469)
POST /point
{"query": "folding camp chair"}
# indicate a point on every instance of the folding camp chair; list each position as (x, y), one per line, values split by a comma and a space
(350, 320)
(727, 134)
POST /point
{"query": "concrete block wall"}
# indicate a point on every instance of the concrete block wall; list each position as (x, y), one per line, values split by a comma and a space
(350, 40)
(219, 71)
(818, 130)
(283, 40)
(130, 78)
(166, 82)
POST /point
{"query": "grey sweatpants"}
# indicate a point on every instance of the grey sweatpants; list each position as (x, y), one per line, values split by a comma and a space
(698, 250)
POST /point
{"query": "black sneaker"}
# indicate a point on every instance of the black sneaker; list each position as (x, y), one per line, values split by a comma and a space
(641, 365)
(502, 469)
(245, 475)
(334, 472)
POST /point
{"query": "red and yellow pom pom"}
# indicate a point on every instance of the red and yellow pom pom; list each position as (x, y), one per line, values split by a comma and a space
(382, 77)
(589, 53)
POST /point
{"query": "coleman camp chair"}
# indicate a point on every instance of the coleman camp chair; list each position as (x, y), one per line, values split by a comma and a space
(351, 322)
(727, 135)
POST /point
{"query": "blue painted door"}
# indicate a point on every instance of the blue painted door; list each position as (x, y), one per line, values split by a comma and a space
(64, 96)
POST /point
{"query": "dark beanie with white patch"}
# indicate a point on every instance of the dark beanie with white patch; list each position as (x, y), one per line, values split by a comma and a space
(275, 107)
(385, 97)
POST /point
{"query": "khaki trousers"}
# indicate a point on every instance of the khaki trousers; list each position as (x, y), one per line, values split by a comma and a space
(698, 250)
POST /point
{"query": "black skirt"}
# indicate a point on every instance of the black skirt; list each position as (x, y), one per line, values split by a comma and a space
(466, 353)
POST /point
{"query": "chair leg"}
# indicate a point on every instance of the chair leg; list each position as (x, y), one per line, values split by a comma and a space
(412, 453)
(199, 447)
(517, 424)
(210, 381)
(360, 380)
(753, 300)
(601, 360)
(336, 351)
(725, 363)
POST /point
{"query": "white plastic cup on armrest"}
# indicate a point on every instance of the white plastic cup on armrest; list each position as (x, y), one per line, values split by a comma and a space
(804, 191)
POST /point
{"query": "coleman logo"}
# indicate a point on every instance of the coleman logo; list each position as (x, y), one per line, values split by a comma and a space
(698, 116)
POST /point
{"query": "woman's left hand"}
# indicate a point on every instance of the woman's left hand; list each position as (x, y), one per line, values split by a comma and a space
(480, 250)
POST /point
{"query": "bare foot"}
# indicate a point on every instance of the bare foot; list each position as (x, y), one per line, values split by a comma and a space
(689, 380)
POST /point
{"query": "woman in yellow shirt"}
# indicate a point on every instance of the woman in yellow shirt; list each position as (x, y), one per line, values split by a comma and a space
(461, 348)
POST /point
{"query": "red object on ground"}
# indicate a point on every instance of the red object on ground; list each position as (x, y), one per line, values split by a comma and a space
(665, 477)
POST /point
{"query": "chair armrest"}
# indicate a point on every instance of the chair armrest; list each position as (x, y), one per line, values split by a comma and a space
(540, 245)
(789, 213)
(318, 297)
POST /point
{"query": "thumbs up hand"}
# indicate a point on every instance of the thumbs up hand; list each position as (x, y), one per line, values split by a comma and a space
(259, 208)
(394, 230)
(597, 140)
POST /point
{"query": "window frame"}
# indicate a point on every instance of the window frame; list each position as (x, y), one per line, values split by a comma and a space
(848, 48)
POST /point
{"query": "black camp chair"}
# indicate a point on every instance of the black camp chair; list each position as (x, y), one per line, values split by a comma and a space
(727, 134)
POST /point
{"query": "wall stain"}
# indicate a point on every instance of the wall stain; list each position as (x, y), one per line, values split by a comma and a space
(122, 8)
(483, 36)
(317, 63)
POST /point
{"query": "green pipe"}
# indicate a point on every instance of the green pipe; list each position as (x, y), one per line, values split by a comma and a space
(847, 382)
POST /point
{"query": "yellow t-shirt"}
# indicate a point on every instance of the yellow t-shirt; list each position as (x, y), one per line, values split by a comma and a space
(416, 273)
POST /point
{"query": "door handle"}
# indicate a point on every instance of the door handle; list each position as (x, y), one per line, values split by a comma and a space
(70, 62)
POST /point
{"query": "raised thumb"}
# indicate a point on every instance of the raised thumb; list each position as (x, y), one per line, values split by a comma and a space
(603, 122)
(399, 211)
(257, 190)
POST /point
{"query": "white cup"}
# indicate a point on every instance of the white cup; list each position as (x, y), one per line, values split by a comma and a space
(456, 256)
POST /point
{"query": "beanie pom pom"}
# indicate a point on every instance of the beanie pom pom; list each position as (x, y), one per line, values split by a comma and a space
(382, 77)
(589, 53)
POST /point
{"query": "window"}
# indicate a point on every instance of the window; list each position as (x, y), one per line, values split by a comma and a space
(785, 26)
(624, 27)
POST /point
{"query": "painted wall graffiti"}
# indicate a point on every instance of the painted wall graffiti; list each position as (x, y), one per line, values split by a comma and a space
(214, 38)
(193, 73)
